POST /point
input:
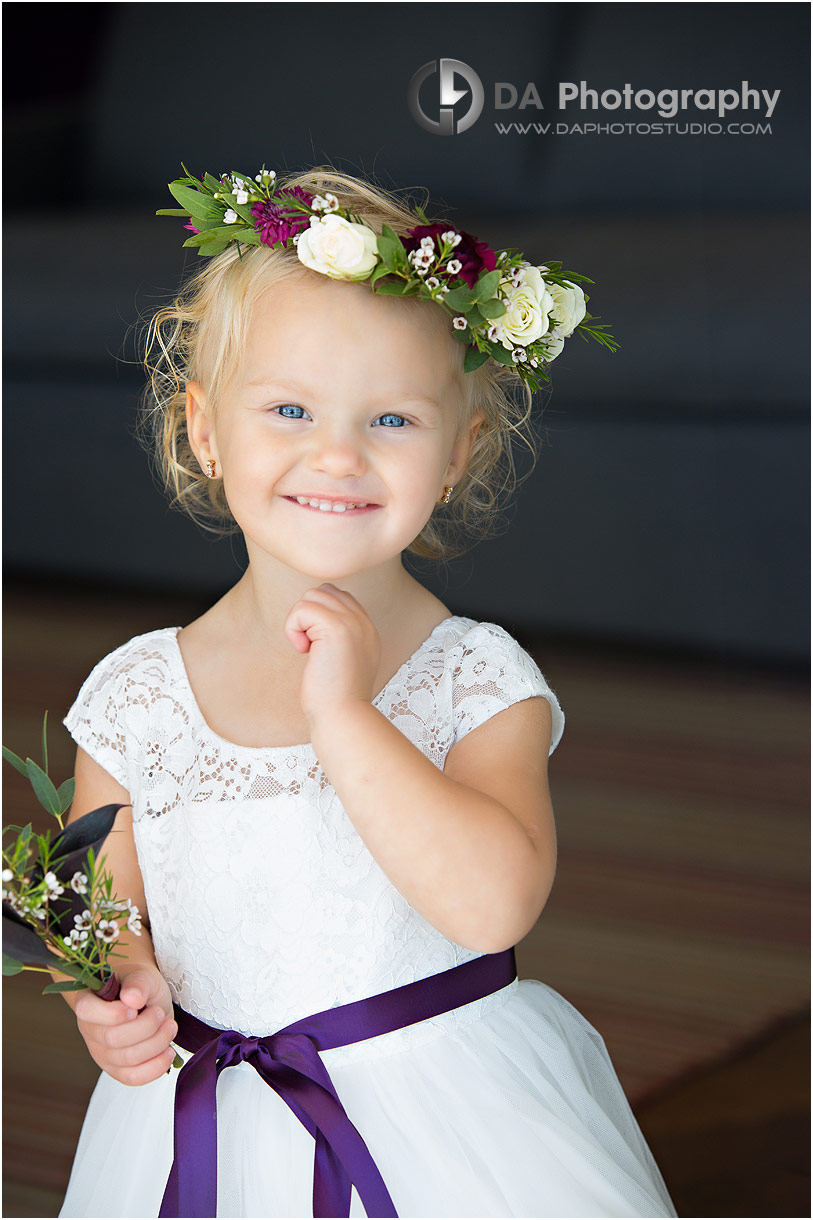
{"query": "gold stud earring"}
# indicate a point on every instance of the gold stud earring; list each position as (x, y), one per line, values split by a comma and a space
(447, 495)
(211, 469)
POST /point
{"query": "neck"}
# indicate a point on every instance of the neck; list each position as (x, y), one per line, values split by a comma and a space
(262, 599)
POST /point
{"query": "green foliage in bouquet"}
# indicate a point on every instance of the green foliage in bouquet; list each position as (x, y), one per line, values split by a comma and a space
(59, 909)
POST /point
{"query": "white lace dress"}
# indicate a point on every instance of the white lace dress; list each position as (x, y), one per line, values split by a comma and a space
(266, 906)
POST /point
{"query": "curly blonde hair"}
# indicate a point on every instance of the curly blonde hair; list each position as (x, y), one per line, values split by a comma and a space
(199, 337)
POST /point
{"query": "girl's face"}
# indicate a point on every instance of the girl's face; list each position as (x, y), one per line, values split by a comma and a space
(343, 397)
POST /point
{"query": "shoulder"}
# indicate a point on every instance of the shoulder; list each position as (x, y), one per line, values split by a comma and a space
(142, 657)
(487, 670)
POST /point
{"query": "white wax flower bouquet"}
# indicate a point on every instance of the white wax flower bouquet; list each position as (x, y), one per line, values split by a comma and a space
(59, 909)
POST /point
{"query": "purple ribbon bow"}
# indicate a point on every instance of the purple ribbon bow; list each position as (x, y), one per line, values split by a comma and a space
(289, 1062)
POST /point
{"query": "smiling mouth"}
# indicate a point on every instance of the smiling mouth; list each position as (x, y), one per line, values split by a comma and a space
(341, 508)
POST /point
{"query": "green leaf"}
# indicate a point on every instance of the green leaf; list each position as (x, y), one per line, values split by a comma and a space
(474, 317)
(172, 212)
(460, 299)
(11, 965)
(397, 289)
(196, 203)
(502, 355)
(15, 760)
(73, 985)
(473, 359)
(379, 273)
(65, 793)
(386, 250)
(492, 309)
(214, 184)
(44, 789)
(486, 286)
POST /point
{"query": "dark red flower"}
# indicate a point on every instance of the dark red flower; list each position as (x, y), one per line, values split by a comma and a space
(276, 223)
(475, 256)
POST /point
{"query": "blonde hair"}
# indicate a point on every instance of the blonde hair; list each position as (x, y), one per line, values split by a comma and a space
(199, 337)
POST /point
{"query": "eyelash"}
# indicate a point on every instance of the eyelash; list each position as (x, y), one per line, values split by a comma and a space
(293, 406)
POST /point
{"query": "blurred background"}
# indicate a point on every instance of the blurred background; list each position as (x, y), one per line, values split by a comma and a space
(657, 561)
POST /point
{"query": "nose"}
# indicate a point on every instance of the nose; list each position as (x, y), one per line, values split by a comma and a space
(338, 451)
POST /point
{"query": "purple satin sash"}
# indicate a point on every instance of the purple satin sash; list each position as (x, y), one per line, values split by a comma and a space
(289, 1062)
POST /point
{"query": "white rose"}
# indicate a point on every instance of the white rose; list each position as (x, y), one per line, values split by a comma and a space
(339, 248)
(553, 348)
(569, 306)
(527, 309)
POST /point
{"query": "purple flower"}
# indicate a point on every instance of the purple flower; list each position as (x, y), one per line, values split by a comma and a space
(192, 227)
(276, 223)
(474, 256)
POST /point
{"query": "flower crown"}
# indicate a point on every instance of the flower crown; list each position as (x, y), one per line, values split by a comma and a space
(501, 306)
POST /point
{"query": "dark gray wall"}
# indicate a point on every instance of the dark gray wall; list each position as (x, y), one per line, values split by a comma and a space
(670, 503)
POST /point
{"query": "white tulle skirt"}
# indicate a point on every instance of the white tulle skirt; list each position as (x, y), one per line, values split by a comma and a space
(519, 1113)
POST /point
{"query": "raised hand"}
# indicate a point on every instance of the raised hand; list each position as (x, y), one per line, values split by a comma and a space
(344, 650)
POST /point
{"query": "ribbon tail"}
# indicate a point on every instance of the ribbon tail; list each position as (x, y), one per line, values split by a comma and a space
(332, 1188)
(191, 1189)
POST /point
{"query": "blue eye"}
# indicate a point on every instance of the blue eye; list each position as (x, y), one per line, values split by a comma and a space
(400, 418)
(287, 407)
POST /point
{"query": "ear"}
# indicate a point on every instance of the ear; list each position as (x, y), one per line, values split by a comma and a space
(462, 449)
(199, 426)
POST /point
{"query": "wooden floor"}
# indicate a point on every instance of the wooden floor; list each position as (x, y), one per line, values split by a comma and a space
(678, 924)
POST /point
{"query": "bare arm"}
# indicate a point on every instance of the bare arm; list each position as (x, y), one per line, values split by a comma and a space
(472, 848)
(128, 1037)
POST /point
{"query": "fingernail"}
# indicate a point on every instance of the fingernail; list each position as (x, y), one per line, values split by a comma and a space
(159, 1012)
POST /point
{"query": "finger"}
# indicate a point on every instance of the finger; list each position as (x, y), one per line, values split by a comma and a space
(145, 1073)
(141, 988)
(145, 1027)
(147, 1048)
(91, 1010)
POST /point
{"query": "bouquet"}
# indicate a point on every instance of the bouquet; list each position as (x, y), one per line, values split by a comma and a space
(59, 909)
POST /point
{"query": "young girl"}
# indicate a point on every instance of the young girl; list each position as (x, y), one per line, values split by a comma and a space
(339, 820)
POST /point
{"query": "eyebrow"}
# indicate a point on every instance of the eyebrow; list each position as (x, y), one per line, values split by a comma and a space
(299, 389)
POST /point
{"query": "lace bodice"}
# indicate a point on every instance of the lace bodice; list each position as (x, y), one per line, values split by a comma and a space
(264, 902)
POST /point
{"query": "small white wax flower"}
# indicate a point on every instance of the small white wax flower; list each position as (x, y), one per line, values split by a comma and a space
(454, 266)
(53, 884)
(271, 173)
(427, 243)
(518, 355)
(107, 930)
(242, 196)
(433, 282)
(318, 204)
(230, 216)
(134, 921)
(79, 883)
(459, 323)
(84, 920)
(331, 202)
(534, 361)
(258, 177)
(495, 333)
(8, 875)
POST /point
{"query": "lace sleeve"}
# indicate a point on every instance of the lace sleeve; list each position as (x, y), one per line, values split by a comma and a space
(96, 721)
(491, 671)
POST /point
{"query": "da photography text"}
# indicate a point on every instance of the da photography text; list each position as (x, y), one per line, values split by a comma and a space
(446, 97)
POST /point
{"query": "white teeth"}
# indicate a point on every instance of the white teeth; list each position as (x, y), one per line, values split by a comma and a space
(327, 506)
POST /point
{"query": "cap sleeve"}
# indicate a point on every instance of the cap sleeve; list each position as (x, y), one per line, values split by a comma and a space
(490, 672)
(98, 716)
